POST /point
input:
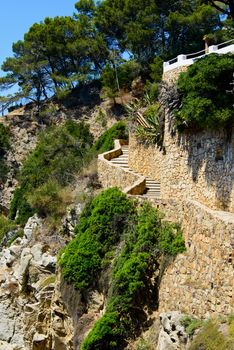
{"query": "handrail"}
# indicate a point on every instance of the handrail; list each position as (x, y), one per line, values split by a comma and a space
(192, 57)
(195, 53)
(226, 42)
(174, 60)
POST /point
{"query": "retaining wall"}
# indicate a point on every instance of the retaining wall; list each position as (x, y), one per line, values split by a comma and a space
(200, 281)
(111, 175)
(198, 166)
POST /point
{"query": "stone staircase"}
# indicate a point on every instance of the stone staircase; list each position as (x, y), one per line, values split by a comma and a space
(152, 187)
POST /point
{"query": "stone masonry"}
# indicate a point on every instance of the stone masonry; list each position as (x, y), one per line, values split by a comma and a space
(198, 166)
(200, 282)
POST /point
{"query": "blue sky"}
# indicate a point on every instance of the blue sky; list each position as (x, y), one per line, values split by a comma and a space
(18, 15)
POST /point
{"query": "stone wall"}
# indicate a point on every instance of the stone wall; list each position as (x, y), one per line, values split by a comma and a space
(111, 175)
(200, 281)
(197, 166)
(145, 160)
(171, 76)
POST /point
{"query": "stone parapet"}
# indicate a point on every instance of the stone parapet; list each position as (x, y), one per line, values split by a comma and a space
(143, 159)
(171, 76)
(200, 281)
(112, 175)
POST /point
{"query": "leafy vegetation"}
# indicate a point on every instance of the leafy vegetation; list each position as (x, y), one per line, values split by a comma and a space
(211, 338)
(152, 133)
(6, 225)
(106, 219)
(50, 199)
(101, 225)
(106, 141)
(79, 48)
(4, 145)
(115, 77)
(206, 97)
(58, 157)
(18, 234)
(191, 324)
(131, 278)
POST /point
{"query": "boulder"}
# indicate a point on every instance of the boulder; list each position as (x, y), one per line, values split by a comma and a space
(32, 224)
(172, 335)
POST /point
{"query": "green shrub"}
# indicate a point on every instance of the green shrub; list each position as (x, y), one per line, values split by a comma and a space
(126, 72)
(206, 97)
(20, 210)
(101, 225)
(6, 225)
(152, 90)
(50, 199)
(60, 153)
(4, 139)
(171, 239)
(4, 145)
(152, 133)
(19, 233)
(210, 338)
(106, 333)
(106, 141)
(191, 324)
(132, 275)
(107, 219)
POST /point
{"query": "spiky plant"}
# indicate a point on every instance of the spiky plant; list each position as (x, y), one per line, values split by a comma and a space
(149, 132)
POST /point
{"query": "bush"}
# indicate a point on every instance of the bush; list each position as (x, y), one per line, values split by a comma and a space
(210, 338)
(151, 134)
(20, 210)
(106, 334)
(4, 145)
(205, 89)
(191, 324)
(132, 278)
(107, 219)
(50, 199)
(106, 141)
(4, 139)
(101, 225)
(126, 72)
(6, 225)
(59, 155)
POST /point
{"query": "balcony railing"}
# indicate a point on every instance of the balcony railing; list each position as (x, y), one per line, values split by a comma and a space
(187, 60)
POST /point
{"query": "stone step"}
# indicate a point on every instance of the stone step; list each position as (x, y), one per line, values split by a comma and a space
(120, 163)
(152, 186)
(150, 191)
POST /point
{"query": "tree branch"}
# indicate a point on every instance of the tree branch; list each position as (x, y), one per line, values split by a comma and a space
(217, 7)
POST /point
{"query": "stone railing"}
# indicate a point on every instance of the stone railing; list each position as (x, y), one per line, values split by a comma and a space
(112, 175)
(187, 60)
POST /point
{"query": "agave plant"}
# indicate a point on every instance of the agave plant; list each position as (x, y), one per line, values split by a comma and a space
(132, 109)
(149, 131)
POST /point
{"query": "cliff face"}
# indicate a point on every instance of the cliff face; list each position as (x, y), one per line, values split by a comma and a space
(41, 311)
(30, 302)
(25, 124)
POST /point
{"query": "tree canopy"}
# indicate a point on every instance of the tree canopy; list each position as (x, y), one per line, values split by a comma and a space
(206, 96)
(61, 53)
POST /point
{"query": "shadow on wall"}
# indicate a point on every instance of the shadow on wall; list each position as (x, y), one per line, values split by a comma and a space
(210, 158)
